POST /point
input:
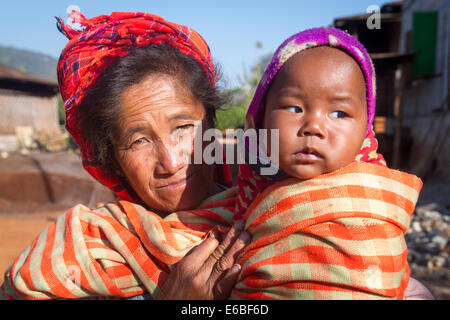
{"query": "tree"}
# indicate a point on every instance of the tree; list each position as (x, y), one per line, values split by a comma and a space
(249, 80)
(233, 115)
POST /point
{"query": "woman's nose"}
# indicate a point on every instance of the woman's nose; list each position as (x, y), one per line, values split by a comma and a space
(169, 160)
(313, 125)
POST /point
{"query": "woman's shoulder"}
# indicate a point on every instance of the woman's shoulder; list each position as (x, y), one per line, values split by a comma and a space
(110, 212)
(223, 194)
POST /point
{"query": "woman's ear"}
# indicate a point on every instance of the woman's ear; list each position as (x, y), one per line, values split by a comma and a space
(119, 173)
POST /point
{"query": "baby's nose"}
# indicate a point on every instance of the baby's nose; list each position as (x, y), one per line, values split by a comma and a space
(313, 126)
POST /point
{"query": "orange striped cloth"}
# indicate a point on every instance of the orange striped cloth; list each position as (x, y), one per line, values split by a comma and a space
(119, 250)
(336, 236)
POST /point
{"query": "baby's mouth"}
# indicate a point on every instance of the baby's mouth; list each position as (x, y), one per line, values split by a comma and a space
(307, 154)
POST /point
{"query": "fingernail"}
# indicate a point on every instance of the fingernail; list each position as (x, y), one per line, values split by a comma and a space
(239, 225)
(214, 235)
(245, 236)
(236, 268)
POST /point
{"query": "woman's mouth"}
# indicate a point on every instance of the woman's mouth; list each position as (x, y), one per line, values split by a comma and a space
(181, 183)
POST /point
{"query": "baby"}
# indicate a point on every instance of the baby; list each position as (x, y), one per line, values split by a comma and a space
(330, 224)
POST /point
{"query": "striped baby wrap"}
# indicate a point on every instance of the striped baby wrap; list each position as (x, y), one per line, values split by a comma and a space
(337, 236)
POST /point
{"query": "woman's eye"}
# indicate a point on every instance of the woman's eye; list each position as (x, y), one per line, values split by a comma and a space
(294, 109)
(182, 129)
(185, 126)
(339, 114)
(139, 141)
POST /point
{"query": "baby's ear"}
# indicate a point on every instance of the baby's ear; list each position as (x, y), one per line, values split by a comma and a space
(249, 122)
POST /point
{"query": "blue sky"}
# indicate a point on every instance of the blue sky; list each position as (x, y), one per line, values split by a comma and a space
(230, 27)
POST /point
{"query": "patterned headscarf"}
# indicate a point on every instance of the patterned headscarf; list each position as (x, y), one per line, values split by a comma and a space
(311, 38)
(91, 50)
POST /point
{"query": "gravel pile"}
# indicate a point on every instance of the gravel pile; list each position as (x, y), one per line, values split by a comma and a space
(428, 242)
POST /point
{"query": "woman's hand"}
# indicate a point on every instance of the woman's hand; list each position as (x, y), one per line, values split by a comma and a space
(208, 271)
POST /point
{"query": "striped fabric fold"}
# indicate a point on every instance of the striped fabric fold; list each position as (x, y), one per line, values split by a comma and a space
(120, 250)
(337, 236)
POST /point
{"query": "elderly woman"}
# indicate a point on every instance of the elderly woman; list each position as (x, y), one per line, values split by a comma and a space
(132, 83)
(134, 87)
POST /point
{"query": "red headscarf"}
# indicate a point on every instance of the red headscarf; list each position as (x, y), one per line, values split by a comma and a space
(93, 48)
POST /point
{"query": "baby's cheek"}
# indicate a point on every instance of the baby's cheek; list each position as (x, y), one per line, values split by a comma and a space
(284, 139)
(344, 152)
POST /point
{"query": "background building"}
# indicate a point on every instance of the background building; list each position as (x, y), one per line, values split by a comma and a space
(410, 48)
(28, 107)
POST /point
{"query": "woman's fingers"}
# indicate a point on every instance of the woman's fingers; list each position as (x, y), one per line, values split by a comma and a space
(187, 280)
(219, 253)
(207, 271)
(198, 255)
(221, 263)
(223, 287)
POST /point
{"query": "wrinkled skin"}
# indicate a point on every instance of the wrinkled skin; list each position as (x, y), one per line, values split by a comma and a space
(156, 127)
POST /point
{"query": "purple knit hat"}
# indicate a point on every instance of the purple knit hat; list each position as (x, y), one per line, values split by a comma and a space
(311, 38)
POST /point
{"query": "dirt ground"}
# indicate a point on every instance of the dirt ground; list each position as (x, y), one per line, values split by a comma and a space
(17, 231)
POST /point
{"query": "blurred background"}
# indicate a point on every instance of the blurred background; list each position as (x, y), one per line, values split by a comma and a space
(409, 41)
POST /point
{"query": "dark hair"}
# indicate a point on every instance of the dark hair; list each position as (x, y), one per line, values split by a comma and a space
(97, 113)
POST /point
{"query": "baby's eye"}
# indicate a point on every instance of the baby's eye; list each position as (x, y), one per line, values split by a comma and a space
(339, 114)
(294, 109)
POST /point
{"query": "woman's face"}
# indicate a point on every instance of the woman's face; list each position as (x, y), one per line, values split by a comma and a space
(155, 139)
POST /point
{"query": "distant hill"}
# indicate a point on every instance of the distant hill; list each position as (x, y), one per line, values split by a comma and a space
(28, 61)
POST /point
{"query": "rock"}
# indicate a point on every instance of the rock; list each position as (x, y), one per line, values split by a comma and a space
(420, 210)
(434, 232)
(446, 256)
(436, 262)
(446, 231)
(416, 227)
(416, 235)
(418, 270)
(413, 255)
(434, 276)
(433, 215)
(430, 248)
(440, 241)
(427, 225)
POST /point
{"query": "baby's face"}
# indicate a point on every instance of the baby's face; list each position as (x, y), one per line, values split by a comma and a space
(318, 102)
